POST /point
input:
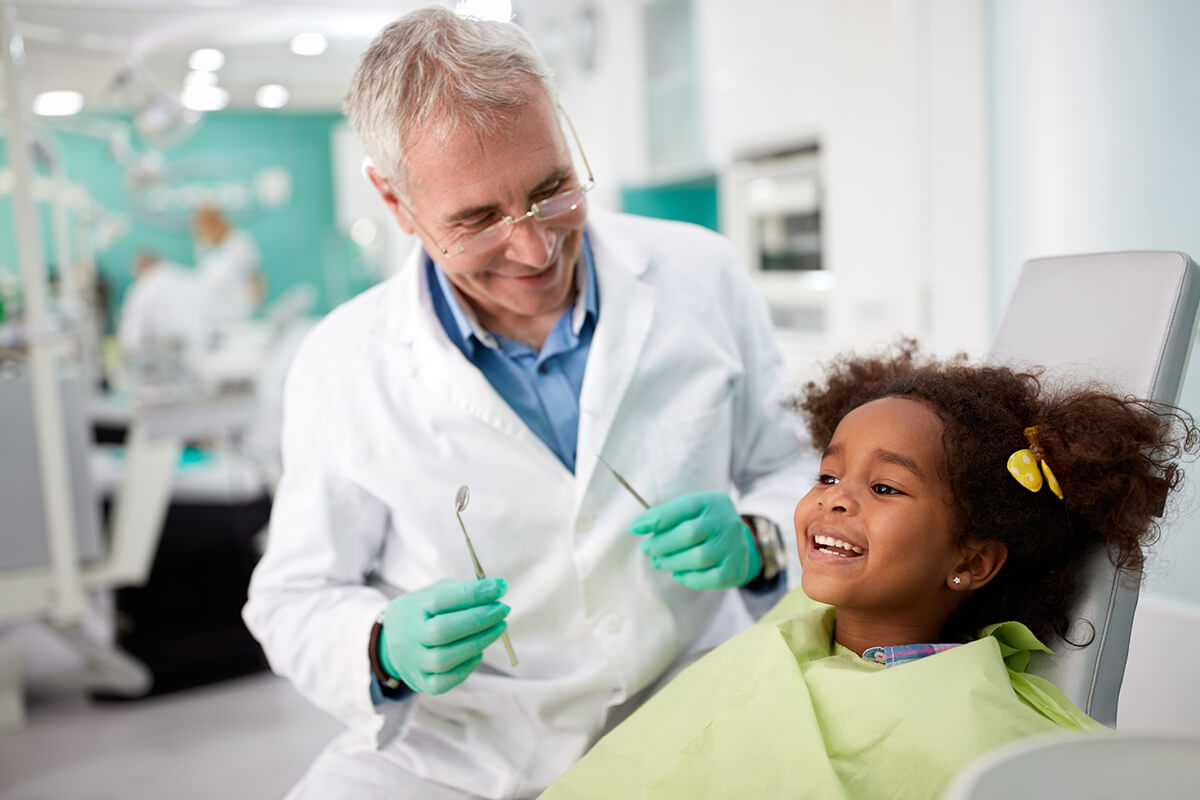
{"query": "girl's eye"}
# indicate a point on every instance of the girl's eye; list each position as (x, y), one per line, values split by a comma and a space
(828, 480)
(883, 488)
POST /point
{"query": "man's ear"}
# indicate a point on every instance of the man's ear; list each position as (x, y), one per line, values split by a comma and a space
(391, 200)
(981, 560)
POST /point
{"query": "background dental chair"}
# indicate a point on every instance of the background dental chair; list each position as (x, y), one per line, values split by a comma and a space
(1127, 320)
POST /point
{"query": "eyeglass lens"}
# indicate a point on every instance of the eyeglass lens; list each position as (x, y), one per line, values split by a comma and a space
(549, 208)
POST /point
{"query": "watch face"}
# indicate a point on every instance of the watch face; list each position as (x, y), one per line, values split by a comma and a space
(770, 545)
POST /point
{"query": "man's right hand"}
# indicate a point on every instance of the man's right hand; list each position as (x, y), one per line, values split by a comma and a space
(434, 638)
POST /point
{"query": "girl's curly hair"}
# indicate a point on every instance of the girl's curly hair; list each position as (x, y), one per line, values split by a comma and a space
(1115, 458)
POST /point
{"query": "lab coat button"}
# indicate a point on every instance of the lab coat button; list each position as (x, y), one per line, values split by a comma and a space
(584, 523)
(612, 624)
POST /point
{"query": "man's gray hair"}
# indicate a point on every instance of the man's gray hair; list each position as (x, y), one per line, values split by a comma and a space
(433, 72)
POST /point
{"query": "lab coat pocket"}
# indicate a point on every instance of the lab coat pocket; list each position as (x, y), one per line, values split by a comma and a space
(692, 453)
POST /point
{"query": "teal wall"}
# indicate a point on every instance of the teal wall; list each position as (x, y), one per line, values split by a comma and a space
(692, 200)
(298, 241)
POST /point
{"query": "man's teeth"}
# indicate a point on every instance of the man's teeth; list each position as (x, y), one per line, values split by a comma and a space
(829, 541)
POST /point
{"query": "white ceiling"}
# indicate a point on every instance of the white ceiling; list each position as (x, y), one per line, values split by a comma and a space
(85, 44)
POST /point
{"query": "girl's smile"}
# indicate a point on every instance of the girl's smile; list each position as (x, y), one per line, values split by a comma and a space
(829, 542)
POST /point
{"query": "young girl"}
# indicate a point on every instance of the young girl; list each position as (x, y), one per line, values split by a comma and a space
(940, 546)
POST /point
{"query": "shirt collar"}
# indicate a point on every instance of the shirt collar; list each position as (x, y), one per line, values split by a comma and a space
(585, 275)
(893, 656)
(467, 322)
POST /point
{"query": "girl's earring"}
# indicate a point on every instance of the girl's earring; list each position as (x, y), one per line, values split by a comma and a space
(957, 580)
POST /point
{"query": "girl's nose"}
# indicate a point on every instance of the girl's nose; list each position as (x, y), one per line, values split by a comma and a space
(838, 500)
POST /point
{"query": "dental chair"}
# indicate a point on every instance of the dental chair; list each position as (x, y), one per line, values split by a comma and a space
(1121, 765)
(1128, 320)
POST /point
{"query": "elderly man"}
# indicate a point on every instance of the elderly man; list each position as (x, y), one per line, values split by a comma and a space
(526, 340)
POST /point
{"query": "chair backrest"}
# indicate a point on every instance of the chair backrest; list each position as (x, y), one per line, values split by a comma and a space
(1126, 319)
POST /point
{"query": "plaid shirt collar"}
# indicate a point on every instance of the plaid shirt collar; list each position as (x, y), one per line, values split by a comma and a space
(900, 654)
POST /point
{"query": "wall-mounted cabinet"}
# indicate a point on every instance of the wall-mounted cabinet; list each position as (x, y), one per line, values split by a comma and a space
(772, 211)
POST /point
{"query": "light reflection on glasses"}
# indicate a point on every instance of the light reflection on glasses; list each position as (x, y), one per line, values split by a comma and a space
(572, 201)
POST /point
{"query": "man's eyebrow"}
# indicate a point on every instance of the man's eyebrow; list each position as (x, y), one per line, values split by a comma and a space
(558, 176)
(468, 213)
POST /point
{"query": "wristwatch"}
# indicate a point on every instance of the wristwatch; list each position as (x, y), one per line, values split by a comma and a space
(390, 687)
(769, 540)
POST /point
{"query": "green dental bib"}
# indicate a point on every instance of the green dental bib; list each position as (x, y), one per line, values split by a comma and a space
(782, 711)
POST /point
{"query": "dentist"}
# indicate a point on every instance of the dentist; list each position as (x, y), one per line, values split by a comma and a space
(528, 336)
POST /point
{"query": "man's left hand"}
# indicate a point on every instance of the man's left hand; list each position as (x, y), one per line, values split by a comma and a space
(701, 540)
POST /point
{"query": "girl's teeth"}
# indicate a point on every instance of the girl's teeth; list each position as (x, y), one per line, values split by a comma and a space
(830, 541)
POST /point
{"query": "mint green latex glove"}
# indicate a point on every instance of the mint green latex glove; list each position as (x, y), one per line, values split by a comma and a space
(434, 638)
(701, 540)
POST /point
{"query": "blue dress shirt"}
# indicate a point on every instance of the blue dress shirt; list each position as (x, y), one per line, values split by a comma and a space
(542, 387)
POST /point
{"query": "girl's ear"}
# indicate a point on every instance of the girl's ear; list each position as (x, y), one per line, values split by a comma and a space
(981, 560)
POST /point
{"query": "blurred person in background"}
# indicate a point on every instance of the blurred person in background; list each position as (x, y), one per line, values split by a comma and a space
(167, 308)
(228, 262)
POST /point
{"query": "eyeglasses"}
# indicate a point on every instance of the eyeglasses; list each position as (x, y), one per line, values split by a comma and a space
(491, 237)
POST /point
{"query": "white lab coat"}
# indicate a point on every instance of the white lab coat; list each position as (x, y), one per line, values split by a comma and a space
(384, 419)
(228, 269)
(167, 307)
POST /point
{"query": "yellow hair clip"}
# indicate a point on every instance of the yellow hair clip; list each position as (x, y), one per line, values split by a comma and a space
(1023, 465)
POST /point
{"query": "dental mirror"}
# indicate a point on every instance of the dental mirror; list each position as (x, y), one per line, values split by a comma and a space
(460, 503)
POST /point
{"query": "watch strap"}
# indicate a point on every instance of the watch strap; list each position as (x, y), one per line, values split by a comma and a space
(390, 686)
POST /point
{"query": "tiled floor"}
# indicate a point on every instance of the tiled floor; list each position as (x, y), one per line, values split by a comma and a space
(243, 739)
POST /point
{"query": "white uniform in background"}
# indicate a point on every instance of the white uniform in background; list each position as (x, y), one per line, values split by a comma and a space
(167, 306)
(384, 419)
(228, 269)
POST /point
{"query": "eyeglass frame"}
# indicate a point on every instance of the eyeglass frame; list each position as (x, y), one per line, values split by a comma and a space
(512, 222)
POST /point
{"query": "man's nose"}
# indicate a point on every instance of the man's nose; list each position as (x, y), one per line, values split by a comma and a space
(531, 242)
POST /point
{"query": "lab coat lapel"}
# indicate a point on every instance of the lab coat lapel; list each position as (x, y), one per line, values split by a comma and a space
(439, 365)
(627, 307)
